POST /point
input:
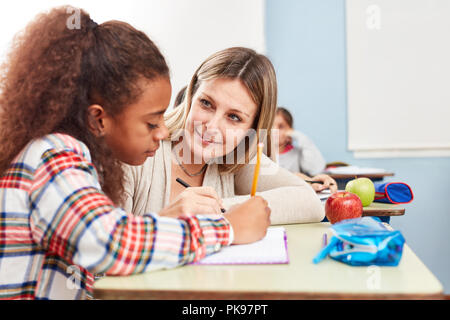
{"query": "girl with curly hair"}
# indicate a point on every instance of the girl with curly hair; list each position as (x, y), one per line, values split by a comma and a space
(76, 103)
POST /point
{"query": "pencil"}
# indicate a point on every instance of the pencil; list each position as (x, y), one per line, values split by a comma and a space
(325, 240)
(258, 165)
(309, 181)
(184, 184)
(319, 182)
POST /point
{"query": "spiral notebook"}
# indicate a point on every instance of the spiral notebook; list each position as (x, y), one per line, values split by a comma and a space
(272, 249)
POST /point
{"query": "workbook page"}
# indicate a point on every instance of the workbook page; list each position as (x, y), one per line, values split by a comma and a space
(272, 249)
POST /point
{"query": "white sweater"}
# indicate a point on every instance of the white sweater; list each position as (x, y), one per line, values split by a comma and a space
(147, 188)
(305, 157)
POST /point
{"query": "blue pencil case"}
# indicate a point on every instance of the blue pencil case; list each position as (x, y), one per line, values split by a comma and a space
(393, 192)
(363, 242)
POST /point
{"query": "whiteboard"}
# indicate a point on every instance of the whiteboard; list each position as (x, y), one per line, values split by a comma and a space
(398, 76)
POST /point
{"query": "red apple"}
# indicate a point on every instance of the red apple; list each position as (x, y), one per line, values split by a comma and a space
(343, 205)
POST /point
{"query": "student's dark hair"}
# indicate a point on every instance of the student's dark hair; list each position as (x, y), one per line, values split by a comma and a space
(180, 97)
(287, 116)
(56, 70)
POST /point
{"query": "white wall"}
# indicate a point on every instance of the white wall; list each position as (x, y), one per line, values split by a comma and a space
(398, 77)
(187, 32)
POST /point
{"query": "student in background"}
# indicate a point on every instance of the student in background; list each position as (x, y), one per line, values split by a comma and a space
(301, 157)
(75, 104)
(232, 92)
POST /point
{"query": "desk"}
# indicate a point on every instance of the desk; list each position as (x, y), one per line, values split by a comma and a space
(382, 210)
(379, 209)
(342, 179)
(371, 176)
(300, 279)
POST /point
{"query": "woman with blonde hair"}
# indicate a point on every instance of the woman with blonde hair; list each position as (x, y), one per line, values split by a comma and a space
(230, 105)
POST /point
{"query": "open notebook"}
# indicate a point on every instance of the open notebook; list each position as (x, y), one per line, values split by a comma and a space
(354, 170)
(324, 195)
(272, 249)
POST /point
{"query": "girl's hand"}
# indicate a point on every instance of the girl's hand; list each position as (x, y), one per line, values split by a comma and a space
(192, 201)
(328, 183)
(249, 220)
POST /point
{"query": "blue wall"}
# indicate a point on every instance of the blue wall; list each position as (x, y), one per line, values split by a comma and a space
(306, 43)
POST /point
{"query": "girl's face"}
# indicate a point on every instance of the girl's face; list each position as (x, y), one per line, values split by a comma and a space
(283, 129)
(135, 133)
(221, 114)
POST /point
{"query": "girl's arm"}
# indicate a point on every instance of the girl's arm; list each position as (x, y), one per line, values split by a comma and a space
(71, 217)
(291, 199)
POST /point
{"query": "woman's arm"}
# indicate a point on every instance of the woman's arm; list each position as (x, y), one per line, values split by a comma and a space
(291, 199)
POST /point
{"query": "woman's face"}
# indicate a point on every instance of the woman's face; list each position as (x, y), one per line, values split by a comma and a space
(221, 114)
(135, 133)
(283, 129)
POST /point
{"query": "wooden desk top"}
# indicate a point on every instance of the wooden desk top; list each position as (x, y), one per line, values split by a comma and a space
(374, 176)
(300, 279)
(383, 209)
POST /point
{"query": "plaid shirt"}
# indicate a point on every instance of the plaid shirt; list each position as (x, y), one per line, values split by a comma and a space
(58, 229)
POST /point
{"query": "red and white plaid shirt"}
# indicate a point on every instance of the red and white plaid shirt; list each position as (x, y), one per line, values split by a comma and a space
(58, 229)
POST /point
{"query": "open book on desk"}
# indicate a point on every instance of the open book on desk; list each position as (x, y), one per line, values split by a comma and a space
(324, 195)
(272, 249)
(354, 170)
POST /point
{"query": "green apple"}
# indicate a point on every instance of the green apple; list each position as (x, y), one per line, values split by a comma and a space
(363, 188)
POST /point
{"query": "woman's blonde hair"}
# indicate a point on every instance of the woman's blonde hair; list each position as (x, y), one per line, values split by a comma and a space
(256, 73)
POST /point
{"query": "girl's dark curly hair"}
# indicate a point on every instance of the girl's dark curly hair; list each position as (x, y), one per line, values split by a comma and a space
(54, 72)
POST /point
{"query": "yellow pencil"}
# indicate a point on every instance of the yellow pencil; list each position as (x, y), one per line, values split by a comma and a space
(258, 165)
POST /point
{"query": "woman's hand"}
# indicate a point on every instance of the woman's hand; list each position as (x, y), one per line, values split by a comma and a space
(192, 201)
(249, 220)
